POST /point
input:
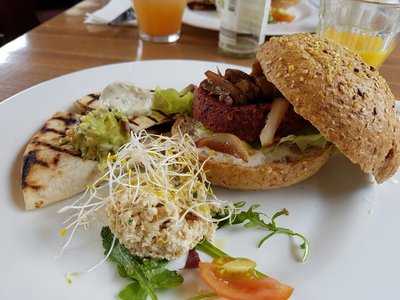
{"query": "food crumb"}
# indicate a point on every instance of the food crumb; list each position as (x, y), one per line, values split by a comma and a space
(69, 276)
(63, 232)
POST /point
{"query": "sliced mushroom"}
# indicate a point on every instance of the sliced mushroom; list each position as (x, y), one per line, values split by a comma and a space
(225, 143)
(227, 87)
(234, 75)
(251, 90)
(268, 90)
(274, 119)
(256, 69)
(223, 96)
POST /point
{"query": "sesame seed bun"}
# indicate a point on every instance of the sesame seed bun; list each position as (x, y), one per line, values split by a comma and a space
(346, 99)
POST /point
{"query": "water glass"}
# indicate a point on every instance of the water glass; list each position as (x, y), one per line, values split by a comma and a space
(369, 28)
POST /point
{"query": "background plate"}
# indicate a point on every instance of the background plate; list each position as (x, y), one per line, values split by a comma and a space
(351, 223)
(307, 17)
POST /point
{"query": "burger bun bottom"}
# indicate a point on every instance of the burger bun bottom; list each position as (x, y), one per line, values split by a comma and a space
(269, 175)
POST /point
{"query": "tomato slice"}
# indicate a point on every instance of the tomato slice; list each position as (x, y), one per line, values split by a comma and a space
(243, 289)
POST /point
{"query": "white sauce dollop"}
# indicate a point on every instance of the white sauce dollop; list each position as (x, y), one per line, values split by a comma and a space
(127, 98)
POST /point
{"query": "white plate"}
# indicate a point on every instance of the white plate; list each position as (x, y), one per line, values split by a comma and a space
(352, 224)
(202, 19)
(307, 17)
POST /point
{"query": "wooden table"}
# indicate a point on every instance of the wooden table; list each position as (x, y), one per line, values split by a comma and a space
(65, 44)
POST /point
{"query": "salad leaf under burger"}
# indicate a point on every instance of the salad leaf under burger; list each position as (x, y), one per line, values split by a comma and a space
(305, 141)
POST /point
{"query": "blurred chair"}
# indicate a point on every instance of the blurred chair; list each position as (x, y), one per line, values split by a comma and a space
(17, 17)
(20, 16)
(47, 9)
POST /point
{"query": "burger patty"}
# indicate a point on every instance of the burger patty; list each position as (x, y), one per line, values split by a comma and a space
(244, 121)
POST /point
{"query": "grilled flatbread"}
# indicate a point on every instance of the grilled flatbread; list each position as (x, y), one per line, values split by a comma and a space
(54, 171)
(156, 117)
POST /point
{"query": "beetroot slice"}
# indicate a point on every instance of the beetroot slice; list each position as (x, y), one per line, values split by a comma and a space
(193, 260)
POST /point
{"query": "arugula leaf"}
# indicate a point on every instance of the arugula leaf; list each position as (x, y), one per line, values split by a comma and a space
(147, 274)
(133, 291)
(159, 276)
(121, 271)
(131, 264)
(252, 218)
(223, 215)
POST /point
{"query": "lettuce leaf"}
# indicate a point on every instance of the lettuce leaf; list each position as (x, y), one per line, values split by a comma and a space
(305, 141)
(147, 275)
(170, 101)
(283, 150)
(280, 153)
(133, 291)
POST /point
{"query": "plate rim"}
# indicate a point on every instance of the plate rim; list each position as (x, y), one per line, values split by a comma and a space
(303, 225)
(39, 84)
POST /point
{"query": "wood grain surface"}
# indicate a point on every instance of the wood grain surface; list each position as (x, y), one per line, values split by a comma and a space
(65, 44)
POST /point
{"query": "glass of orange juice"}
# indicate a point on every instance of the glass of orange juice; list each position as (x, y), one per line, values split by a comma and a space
(369, 28)
(159, 20)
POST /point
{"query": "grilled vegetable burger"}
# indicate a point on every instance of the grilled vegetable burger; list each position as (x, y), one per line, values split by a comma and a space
(278, 125)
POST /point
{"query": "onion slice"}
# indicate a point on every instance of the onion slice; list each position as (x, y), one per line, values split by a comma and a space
(274, 119)
(225, 143)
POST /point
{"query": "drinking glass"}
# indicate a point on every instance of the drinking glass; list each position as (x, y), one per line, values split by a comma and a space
(159, 20)
(369, 28)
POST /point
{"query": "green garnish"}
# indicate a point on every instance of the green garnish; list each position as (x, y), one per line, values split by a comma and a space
(251, 218)
(283, 149)
(99, 133)
(147, 275)
(211, 250)
(170, 101)
(132, 291)
(214, 252)
(204, 296)
(305, 141)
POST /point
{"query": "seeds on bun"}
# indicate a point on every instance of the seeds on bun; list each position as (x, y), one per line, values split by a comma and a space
(277, 125)
(344, 98)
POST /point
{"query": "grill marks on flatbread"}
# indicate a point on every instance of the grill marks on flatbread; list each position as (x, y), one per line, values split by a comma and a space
(155, 118)
(51, 170)
(87, 103)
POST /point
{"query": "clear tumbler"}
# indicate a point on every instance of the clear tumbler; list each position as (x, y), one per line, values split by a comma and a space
(369, 28)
